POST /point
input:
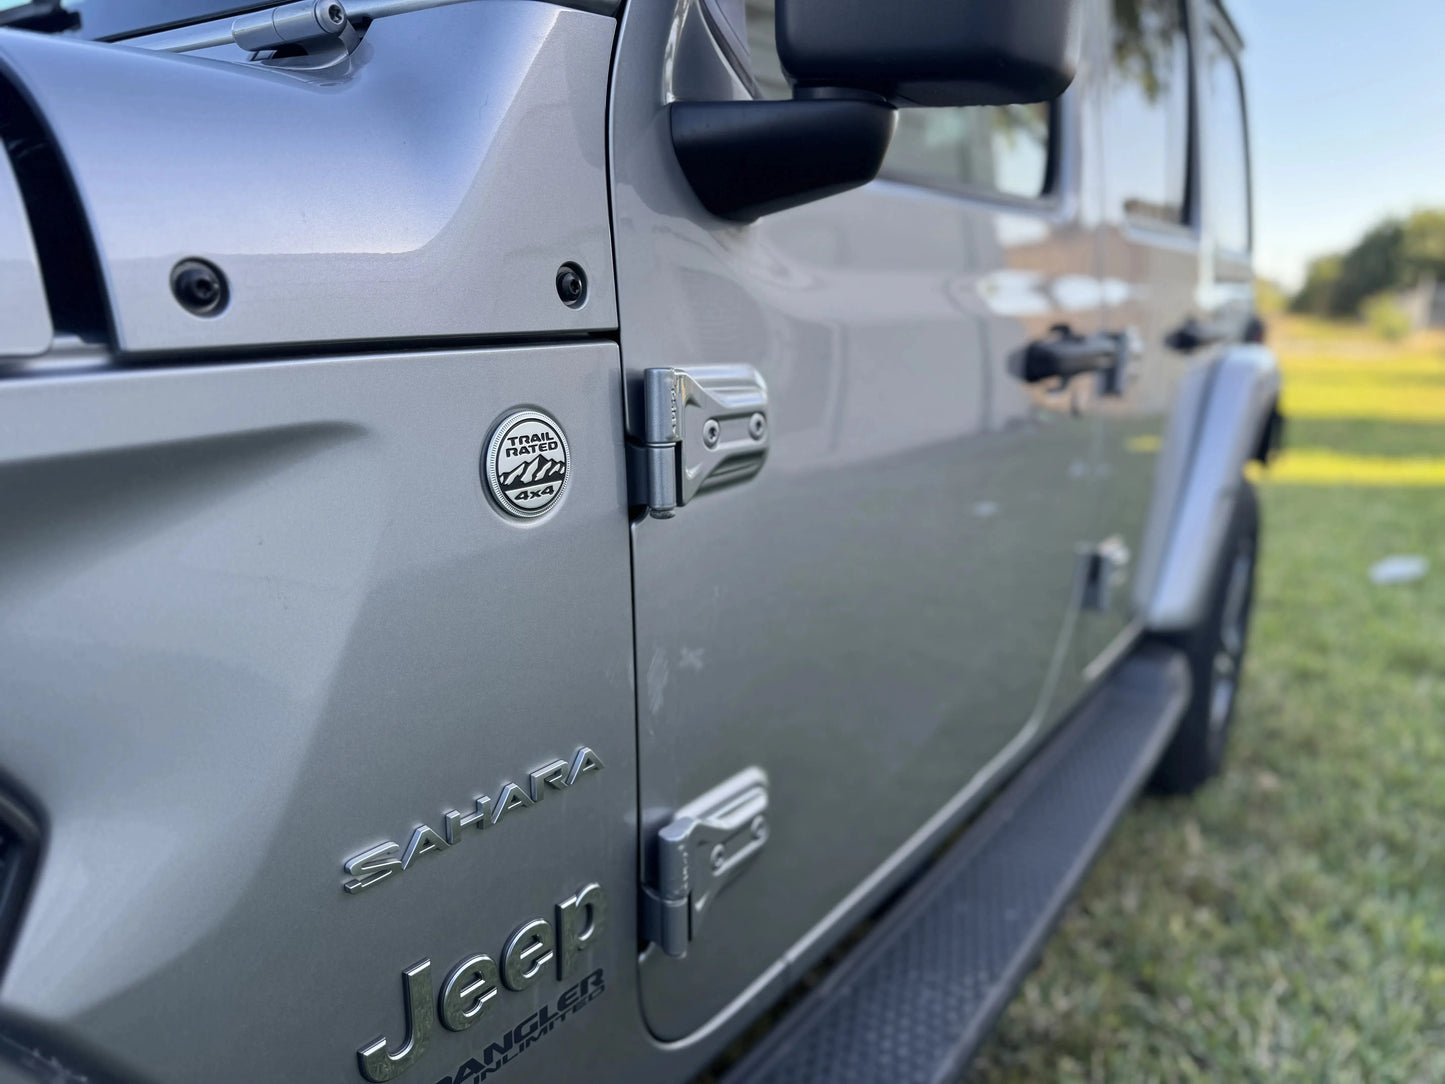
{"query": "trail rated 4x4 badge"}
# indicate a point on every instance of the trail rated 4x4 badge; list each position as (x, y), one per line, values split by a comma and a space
(526, 464)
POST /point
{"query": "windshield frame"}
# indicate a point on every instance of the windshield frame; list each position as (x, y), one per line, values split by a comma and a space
(114, 20)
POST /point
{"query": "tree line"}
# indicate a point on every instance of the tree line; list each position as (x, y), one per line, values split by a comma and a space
(1394, 255)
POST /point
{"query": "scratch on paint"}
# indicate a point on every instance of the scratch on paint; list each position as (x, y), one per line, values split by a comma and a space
(656, 680)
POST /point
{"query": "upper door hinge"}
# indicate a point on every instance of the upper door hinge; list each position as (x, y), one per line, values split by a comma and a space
(705, 846)
(702, 428)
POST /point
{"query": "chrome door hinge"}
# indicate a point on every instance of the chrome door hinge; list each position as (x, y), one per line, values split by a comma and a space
(702, 428)
(702, 849)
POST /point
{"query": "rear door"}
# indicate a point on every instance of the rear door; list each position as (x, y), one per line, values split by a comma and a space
(1150, 254)
(873, 620)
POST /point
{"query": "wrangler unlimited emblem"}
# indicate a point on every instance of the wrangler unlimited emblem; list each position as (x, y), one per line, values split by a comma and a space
(473, 987)
(526, 463)
(376, 864)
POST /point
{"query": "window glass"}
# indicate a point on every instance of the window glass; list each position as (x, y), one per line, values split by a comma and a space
(1147, 110)
(1226, 164)
(104, 18)
(1001, 148)
(763, 46)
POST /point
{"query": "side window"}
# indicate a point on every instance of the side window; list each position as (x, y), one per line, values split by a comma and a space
(1147, 111)
(1002, 149)
(763, 46)
(1226, 162)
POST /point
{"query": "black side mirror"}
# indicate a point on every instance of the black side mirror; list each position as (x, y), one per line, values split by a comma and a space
(933, 52)
(851, 62)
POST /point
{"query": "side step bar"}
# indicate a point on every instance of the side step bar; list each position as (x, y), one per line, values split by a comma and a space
(914, 1000)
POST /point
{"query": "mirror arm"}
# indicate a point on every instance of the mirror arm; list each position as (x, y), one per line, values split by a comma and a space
(745, 159)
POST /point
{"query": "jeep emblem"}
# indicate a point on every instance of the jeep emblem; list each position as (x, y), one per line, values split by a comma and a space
(472, 990)
(526, 463)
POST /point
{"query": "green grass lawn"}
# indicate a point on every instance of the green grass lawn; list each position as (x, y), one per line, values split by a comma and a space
(1287, 923)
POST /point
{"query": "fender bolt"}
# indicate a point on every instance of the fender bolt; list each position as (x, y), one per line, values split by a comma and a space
(571, 285)
(199, 287)
(711, 432)
(757, 426)
(760, 827)
(719, 857)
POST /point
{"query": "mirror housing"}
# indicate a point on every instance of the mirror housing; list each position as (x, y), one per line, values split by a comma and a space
(747, 159)
(933, 52)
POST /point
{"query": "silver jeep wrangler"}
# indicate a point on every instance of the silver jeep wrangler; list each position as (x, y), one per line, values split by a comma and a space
(600, 539)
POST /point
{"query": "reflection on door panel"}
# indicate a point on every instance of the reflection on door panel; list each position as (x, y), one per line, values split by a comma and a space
(1150, 254)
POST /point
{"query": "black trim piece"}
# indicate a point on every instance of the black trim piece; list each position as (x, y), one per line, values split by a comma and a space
(747, 159)
(19, 854)
(42, 16)
(68, 262)
(301, 351)
(1271, 436)
(1194, 134)
(916, 998)
(1049, 192)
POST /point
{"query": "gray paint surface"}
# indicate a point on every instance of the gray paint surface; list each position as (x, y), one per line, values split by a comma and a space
(429, 186)
(257, 618)
(24, 316)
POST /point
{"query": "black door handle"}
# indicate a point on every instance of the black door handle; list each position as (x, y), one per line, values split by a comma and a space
(1066, 355)
(1193, 334)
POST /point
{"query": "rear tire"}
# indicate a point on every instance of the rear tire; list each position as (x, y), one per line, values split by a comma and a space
(1215, 650)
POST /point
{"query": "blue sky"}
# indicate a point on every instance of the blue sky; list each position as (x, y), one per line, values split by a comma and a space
(1347, 102)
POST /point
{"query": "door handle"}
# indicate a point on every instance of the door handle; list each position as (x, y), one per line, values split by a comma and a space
(1065, 355)
(1194, 334)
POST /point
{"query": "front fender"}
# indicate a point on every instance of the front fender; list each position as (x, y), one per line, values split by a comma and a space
(1220, 421)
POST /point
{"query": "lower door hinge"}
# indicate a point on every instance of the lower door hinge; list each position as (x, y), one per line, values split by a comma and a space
(1103, 568)
(702, 428)
(702, 849)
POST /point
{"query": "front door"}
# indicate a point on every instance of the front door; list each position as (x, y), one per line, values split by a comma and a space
(876, 618)
(329, 727)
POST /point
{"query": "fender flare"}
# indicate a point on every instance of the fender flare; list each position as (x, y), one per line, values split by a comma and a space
(1224, 416)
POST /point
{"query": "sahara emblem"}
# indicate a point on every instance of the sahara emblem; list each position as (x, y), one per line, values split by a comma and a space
(526, 464)
(378, 863)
